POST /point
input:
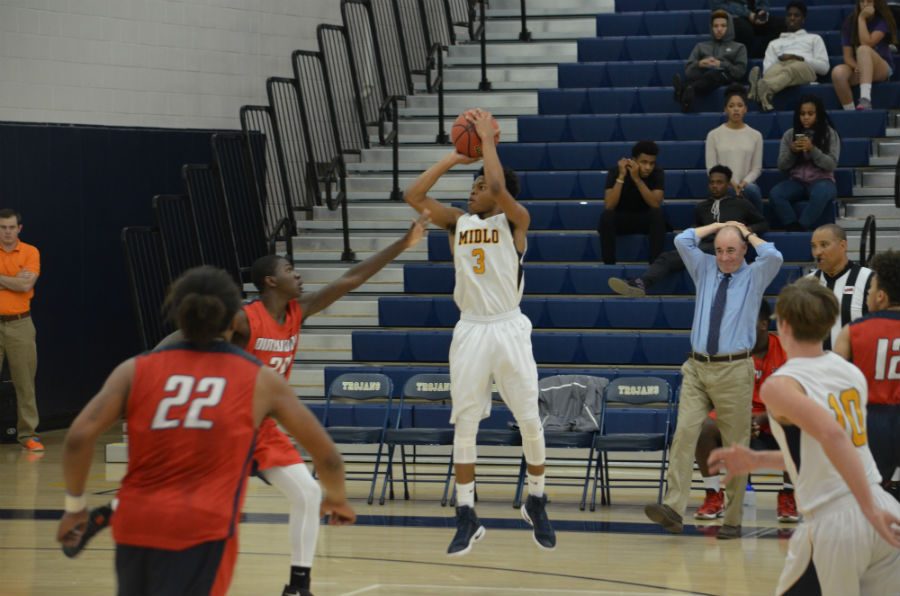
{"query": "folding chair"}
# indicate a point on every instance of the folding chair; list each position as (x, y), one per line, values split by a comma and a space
(637, 416)
(430, 426)
(570, 409)
(359, 423)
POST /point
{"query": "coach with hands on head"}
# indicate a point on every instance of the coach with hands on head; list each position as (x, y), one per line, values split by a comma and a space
(719, 371)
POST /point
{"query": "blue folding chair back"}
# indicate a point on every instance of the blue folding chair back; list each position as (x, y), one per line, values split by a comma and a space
(363, 416)
(637, 416)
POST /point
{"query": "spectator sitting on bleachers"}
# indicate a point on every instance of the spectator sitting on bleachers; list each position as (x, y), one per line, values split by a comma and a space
(808, 154)
(719, 207)
(866, 36)
(753, 26)
(738, 146)
(633, 201)
(795, 58)
(714, 63)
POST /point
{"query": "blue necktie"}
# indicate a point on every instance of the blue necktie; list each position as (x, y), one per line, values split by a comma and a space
(715, 317)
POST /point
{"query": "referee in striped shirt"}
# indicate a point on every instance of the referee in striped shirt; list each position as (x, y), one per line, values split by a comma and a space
(848, 280)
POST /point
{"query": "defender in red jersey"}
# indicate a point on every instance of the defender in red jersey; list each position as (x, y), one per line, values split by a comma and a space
(873, 345)
(192, 410)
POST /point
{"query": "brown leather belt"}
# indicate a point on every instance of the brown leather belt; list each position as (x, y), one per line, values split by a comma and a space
(8, 318)
(722, 358)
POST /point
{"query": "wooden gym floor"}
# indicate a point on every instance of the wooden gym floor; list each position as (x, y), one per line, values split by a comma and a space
(398, 549)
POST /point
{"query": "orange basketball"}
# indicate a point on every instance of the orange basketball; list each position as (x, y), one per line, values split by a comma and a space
(465, 139)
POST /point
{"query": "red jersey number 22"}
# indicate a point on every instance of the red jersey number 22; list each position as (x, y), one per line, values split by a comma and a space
(202, 393)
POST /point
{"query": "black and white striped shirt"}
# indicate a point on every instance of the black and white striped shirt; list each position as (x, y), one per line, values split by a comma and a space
(850, 287)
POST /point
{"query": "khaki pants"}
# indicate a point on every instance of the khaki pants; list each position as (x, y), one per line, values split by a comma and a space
(782, 75)
(17, 345)
(727, 387)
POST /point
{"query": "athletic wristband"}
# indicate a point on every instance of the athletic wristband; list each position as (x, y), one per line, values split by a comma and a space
(620, 180)
(75, 504)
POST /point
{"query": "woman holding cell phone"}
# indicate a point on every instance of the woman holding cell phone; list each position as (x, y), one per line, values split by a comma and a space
(808, 154)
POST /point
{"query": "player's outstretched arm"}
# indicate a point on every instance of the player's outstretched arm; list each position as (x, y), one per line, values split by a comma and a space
(274, 397)
(78, 449)
(739, 460)
(417, 197)
(493, 170)
(788, 403)
(357, 275)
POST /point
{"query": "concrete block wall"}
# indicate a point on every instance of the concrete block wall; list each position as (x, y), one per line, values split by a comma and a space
(154, 63)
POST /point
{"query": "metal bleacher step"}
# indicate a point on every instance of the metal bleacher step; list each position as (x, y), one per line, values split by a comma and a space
(512, 8)
(377, 185)
(542, 27)
(502, 78)
(455, 102)
(518, 52)
(328, 245)
(425, 129)
(316, 275)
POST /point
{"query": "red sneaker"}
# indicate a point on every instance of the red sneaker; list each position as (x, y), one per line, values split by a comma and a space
(34, 445)
(787, 507)
(713, 505)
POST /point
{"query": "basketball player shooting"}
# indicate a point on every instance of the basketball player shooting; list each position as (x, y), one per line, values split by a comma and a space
(492, 338)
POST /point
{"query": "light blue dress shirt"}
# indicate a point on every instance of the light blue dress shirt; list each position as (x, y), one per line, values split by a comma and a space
(745, 291)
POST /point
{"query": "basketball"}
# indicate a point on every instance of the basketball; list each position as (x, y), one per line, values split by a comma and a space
(465, 139)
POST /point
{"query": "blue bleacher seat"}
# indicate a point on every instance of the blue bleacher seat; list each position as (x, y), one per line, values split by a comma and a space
(446, 313)
(562, 348)
(793, 245)
(543, 216)
(562, 101)
(569, 313)
(631, 74)
(631, 313)
(594, 49)
(411, 312)
(679, 214)
(620, 24)
(637, 127)
(673, 22)
(524, 156)
(688, 127)
(650, 48)
(636, 5)
(543, 129)
(666, 69)
(825, 18)
(609, 101)
(534, 308)
(546, 279)
(580, 215)
(592, 279)
(611, 348)
(766, 123)
(591, 185)
(553, 185)
(380, 345)
(427, 346)
(677, 313)
(665, 348)
(674, 184)
(562, 247)
(571, 156)
(582, 74)
(596, 128)
(681, 155)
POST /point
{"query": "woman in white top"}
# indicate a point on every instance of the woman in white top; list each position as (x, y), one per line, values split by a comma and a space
(738, 146)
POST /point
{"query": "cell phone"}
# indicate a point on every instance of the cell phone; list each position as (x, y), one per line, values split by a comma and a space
(799, 135)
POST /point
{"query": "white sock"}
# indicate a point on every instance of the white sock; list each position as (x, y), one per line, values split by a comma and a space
(465, 494)
(536, 485)
(849, 106)
(865, 91)
(896, 476)
(711, 483)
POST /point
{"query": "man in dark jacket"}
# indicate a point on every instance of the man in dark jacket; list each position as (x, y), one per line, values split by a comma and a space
(719, 207)
(714, 63)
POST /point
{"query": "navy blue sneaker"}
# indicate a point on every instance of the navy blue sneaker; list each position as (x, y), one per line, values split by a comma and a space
(98, 519)
(534, 511)
(468, 531)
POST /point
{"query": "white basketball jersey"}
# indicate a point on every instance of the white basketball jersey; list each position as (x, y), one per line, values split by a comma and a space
(839, 387)
(489, 276)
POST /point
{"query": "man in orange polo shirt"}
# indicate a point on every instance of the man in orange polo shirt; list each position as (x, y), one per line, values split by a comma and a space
(20, 266)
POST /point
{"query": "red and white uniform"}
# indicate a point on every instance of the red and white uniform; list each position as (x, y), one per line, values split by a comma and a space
(274, 344)
(875, 343)
(190, 446)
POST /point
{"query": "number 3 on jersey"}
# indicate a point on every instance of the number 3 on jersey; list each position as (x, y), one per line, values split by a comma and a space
(478, 253)
(848, 409)
(211, 388)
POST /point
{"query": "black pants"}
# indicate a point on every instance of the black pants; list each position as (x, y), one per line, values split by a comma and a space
(156, 572)
(757, 37)
(883, 428)
(650, 222)
(708, 81)
(669, 262)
